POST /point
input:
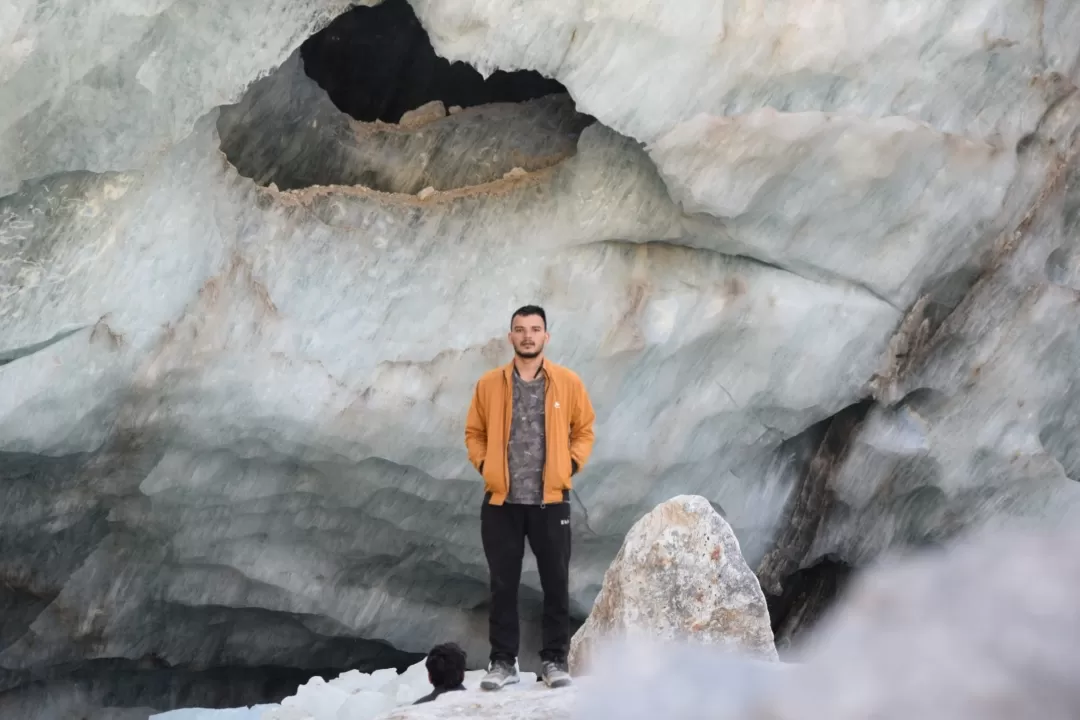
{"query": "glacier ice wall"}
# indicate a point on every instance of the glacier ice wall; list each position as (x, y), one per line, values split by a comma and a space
(817, 263)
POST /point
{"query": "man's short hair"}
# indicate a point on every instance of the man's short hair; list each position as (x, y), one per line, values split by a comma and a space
(525, 311)
(446, 665)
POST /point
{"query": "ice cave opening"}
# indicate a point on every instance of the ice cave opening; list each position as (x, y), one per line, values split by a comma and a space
(367, 102)
(377, 63)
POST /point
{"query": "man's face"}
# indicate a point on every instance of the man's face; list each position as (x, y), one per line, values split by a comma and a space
(528, 335)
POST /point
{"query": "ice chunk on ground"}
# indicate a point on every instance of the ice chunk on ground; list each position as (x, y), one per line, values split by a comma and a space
(353, 695)
(255, 712)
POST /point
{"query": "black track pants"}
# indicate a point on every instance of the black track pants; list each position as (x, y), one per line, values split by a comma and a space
(503, 530)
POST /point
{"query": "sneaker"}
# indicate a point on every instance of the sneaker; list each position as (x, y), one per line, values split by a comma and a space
(555, 674)
(500, 674)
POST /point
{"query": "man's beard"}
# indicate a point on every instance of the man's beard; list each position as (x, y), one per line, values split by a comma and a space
(529, 354)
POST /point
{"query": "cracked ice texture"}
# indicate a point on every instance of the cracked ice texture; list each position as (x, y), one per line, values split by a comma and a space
(108, 84)
(260, 394)
(873, 143)
(982, 427)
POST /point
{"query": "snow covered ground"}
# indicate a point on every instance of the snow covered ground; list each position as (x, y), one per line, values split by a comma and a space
(350, 696)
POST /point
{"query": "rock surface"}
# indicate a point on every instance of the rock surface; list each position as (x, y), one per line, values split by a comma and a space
(235, 406)
(679, 575)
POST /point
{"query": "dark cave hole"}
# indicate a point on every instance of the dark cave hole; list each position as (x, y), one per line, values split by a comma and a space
(107, 687)
(377, 63)
(312, 122)
(807, 595)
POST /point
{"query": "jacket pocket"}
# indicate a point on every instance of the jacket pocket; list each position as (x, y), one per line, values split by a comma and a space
(561, 477)
(492, 473)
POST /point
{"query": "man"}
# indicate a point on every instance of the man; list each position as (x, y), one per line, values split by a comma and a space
(529, 429)
(446, 670)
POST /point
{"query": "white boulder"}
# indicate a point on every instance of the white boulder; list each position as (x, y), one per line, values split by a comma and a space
(679, 575)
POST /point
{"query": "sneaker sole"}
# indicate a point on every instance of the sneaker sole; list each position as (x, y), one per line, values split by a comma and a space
(559, 683)
(491, 685)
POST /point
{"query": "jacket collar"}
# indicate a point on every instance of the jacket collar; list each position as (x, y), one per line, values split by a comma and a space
(545, 367)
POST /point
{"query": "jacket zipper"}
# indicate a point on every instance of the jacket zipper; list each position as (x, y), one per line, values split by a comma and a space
(508, 411)
(548, 390)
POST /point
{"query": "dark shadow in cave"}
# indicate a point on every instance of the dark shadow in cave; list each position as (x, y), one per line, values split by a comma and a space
(807, 596)
(310, 122)
(40, 557)
(377, 63)
(108, 687)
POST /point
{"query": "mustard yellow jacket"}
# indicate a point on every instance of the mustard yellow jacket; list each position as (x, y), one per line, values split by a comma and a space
(568, 428)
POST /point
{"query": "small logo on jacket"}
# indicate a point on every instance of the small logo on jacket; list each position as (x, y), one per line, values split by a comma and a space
(564, 522)
(556, 404)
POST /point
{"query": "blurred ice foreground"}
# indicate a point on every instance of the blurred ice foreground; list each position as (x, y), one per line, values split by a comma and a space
(985, 629)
